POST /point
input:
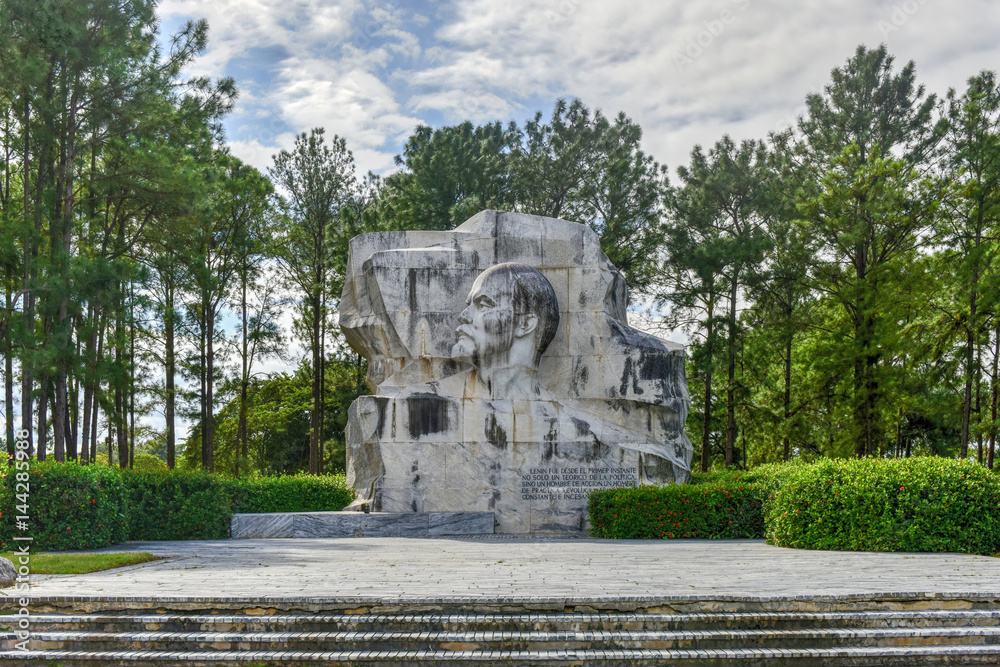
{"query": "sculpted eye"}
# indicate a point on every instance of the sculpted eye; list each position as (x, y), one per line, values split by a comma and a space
(484, 302)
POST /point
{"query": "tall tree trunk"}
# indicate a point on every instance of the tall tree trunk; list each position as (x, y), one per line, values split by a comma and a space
(322, 388)
(862, 339)
(131, 373)
(30, 253)
(42, 428)
(120, 388)
(731, 374)
(168, 324)
(73, 426)
(995, 381)
(314, 418)
(706, 433)
(8, 379)
(978, 409)
(970, 346)
(88, 385)
(97, 390)
(787, 445)
(241, 429)
(208, 427)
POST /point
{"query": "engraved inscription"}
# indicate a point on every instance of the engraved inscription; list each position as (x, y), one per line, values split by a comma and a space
(568, 483)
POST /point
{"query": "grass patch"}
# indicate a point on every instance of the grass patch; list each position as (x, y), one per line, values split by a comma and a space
(47, 563)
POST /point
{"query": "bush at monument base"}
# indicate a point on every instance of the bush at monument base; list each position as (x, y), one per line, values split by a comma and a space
(73, 506)
(177, 506)
(723, 509)
(194, 505)
(69, 506)
(920, 504)
(291, 493)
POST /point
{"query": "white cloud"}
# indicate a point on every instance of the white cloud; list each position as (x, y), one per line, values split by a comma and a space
(326, 72)
(687, 72)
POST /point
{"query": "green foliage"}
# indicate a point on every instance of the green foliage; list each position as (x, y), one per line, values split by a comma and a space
(148, 462)
(81, 563)
(277, 421)
(69, 506)
(177, 506)
(921, 504)
(723, 507)
(73, 506)
(290, 493)
(197, 505)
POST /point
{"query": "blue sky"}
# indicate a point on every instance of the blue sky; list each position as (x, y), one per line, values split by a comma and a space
(687, 72)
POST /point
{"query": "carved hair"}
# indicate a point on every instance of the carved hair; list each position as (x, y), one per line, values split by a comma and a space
(531, 293)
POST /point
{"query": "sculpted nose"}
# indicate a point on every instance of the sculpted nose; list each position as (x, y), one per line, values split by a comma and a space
(463, 317)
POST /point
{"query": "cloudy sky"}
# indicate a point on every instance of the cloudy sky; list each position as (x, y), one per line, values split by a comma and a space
(687, 72)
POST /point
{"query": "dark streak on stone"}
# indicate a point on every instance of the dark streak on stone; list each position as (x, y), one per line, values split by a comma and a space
(381, 402)
(551, 441)
(428, 414)
(411, 279)
(495, 434)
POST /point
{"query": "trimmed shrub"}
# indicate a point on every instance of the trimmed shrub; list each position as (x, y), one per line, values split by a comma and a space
(920, 504)
(290, 493)
(199, 506)
(73, 506)
(69, 506)
(177, 506)
(726, 507)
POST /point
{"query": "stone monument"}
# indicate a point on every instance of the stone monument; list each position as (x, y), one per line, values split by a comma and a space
(504, 375)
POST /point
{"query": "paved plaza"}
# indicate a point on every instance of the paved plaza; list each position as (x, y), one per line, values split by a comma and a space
(501, 566)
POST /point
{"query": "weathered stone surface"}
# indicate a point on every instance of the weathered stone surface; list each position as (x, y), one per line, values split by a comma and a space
(505, 376)
(356, 524)
(8, 573)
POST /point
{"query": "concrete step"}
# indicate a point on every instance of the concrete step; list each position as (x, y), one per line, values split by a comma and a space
(123, 622)
(839, 657)
(221, 632)
(507, 641)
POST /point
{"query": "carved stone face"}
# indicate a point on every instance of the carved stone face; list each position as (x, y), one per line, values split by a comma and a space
(485, 330)
(510, 319)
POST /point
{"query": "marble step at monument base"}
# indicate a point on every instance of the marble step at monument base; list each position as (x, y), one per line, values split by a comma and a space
(361, 524)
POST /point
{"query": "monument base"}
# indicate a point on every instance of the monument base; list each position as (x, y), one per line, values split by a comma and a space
(359, 524)
(532, 463)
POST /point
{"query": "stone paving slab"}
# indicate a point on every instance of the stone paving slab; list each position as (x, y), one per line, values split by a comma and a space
(496, 567)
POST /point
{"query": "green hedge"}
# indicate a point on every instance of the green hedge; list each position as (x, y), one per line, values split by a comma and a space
(74, 506)
(919, 504)
(70, 506)
(727, 507)
(291, 493)
(177, 505)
